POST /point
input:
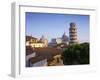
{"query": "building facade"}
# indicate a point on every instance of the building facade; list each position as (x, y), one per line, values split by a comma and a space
(34, 42)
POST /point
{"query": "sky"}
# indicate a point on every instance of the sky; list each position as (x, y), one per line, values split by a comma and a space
(53, 25)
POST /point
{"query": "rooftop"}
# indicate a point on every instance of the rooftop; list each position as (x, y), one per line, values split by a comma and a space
(29, 50)
(30, 37)
(36, 59)
(47, 52)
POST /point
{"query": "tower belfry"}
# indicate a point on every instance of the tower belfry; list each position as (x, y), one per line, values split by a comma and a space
(73, 33)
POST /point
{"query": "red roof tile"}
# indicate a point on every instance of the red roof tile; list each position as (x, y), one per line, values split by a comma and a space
(36, 59)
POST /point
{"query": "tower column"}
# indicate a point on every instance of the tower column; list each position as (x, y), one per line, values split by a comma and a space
(73, 34)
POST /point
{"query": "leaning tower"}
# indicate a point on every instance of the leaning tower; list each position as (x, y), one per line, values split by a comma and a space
(73, 34)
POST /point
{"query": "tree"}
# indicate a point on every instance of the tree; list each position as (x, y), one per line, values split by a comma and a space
(76, 54)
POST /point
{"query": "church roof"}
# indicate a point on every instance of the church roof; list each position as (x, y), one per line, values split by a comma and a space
(65, 37)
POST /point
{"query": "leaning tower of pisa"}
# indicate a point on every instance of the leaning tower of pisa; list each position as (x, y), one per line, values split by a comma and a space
(73, 34)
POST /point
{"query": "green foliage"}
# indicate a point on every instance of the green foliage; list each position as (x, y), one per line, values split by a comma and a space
(76, 54)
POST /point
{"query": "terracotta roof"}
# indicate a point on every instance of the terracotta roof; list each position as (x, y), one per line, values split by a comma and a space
(36, 59)
(42, 53)
(48, 56)
(29, 50)
(47, 52)
(53, 51)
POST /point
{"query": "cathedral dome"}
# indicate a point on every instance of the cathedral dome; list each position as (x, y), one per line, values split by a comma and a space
(65, 37)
